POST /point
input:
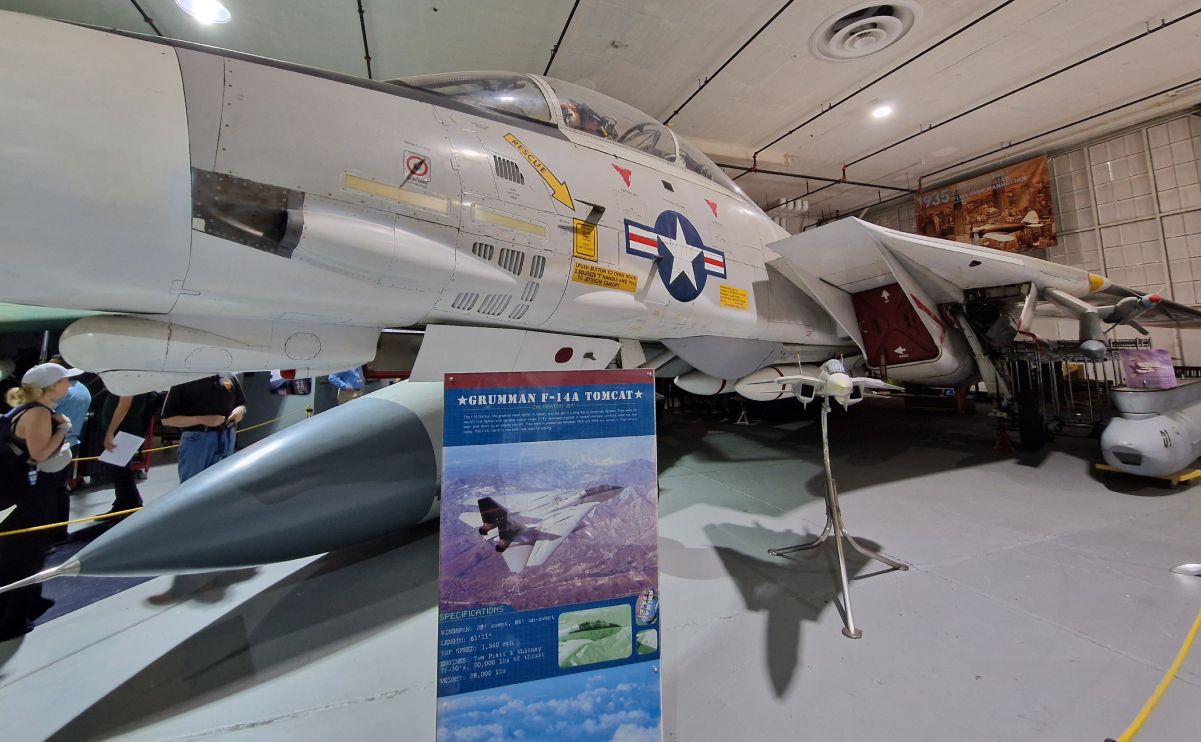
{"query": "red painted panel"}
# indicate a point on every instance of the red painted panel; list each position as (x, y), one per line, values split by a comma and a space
(891, 328)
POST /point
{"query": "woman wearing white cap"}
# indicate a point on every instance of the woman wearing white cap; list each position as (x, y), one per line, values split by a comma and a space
(35, 438)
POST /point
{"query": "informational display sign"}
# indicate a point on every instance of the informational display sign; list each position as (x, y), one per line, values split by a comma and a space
(548, 572)
(1008, 209)
(1148, 368)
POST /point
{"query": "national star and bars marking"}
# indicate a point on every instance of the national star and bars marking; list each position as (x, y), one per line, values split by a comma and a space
(643, 241)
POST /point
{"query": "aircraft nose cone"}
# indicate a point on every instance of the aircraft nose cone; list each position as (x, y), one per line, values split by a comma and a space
(839, 385)
(347, 475)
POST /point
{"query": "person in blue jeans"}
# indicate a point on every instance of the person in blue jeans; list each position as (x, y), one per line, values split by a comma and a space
(206, 412)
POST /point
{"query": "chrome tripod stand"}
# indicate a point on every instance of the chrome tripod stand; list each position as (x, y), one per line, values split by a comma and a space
(835, 531)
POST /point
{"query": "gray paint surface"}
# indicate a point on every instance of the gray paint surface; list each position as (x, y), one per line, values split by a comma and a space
(353, 473)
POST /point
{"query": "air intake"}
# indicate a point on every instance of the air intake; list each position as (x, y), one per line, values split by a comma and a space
(862, 29)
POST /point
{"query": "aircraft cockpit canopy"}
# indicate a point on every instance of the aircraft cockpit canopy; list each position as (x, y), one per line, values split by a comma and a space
(507, 92)
(576, 107)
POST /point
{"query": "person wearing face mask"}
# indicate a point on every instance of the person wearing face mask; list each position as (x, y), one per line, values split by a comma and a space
(34, 436)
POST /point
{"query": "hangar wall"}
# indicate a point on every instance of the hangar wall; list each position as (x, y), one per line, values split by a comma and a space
(1128, 204)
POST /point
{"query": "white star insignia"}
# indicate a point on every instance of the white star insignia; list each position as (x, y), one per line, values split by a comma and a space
(462, 400)
(638, 395)
(682, 255)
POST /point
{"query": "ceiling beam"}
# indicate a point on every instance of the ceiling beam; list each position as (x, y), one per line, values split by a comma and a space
(554, 51)
(1057, 129)
(366, 49)
(1144, 34)
(834, 181)
(709, 79)
(899, 67)
(148, 19)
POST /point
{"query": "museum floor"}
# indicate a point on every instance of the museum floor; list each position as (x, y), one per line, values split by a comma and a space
(1040, 606)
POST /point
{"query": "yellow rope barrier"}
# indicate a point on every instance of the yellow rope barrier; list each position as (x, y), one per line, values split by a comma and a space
(1167, 679)
(49, 526)
(307, 411)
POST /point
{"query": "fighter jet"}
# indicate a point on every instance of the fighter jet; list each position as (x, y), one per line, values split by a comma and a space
(590, 630)
(232, 213)
(533, 527)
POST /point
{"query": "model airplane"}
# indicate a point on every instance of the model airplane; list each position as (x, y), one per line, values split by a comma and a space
(527, 534)
(832, 381)
(232, 213)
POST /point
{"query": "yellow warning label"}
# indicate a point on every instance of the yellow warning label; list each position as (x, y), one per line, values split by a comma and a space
(733, 297)
(585, 240)
(607, 278)
(558, 189)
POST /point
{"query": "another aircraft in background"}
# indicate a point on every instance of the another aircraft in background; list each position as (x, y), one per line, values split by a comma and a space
(1005, 231)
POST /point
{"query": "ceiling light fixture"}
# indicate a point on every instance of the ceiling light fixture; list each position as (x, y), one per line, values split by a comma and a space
(881, 110)
(206, 12)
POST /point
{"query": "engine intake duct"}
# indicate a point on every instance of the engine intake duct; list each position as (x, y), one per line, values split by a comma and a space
(258, 215)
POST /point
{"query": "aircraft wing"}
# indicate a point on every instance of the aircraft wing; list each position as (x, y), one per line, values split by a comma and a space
(834, 262)
(867, 382)
(1165, 312)
(553, 530)
(998, 236)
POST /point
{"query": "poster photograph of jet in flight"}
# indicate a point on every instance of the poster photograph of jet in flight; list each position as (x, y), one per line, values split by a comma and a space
(542, 524)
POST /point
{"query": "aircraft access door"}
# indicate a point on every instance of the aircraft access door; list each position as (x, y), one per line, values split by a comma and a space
(892, 332)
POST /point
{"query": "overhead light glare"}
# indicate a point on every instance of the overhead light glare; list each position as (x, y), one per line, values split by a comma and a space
(881, 111)
(206, 12)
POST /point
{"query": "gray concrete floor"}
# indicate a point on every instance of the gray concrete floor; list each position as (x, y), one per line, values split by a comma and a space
(1040, 606)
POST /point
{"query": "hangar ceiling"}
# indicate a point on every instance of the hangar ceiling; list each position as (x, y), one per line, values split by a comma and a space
(972, 83)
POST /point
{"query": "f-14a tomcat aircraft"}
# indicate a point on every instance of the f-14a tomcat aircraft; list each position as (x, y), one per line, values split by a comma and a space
(233, 213)
(529, 531)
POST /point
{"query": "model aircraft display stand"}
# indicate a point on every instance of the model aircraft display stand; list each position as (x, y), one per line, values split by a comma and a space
(1187, 476)
(835, 531)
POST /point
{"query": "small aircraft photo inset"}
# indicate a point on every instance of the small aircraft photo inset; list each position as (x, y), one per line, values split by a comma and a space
(527, 532)
(1007, 231)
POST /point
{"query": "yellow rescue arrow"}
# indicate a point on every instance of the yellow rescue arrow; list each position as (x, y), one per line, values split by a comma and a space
(558, 189)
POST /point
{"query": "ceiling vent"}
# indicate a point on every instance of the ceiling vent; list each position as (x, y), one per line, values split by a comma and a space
(862, 29)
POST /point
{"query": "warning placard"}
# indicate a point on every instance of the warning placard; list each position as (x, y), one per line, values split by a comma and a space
(416, 167)
(585, 240)
(604, 277)
(733, 297)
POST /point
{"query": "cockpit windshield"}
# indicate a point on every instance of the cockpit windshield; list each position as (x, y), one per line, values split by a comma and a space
(580, 109)
(601, 116)
(506, 92)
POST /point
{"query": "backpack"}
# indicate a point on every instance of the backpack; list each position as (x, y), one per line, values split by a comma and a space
(12, 453)
(10, 448)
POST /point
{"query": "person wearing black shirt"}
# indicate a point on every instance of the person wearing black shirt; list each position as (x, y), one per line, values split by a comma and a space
(206, 412)
(124, 415)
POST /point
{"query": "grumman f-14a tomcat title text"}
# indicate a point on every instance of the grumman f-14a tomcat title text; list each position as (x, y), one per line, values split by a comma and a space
(232, 213)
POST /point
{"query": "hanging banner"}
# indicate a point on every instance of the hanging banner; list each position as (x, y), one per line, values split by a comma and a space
(1008, 209)
(548, 567)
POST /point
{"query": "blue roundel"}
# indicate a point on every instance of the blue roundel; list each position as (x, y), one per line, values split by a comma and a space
(681, 266)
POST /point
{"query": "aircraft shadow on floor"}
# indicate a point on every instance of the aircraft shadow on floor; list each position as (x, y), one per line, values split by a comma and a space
(790, 590)
(875, 443)
(312, 613)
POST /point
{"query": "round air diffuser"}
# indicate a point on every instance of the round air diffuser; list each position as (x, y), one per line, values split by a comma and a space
(862, 29)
